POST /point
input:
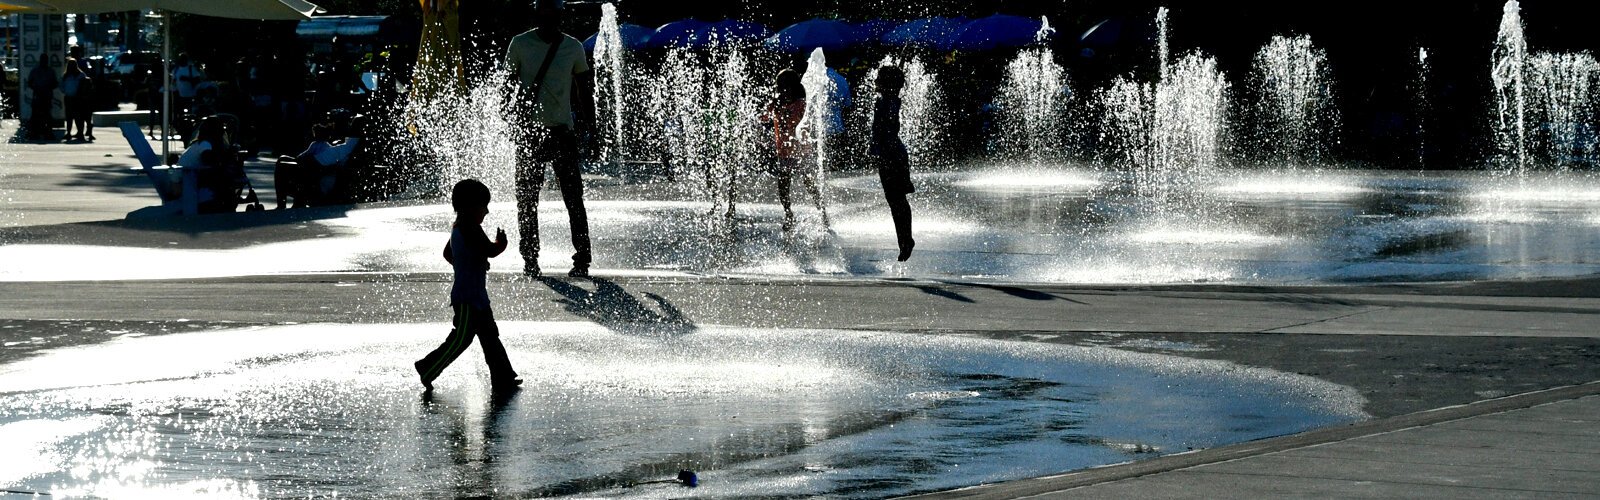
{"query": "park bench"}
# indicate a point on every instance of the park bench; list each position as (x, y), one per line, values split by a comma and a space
(180, 195)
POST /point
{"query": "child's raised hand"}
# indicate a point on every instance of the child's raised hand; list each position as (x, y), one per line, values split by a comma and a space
(499, 236)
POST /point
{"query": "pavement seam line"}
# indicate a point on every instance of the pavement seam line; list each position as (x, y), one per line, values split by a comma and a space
(1365, 310)
(1389, 481)
(1321, 456)
(1023, 488)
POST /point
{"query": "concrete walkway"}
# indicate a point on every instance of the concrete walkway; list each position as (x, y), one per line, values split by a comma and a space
(1480, 450)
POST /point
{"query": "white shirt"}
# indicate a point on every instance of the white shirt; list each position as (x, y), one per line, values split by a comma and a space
(524, 56)
(191, 156)
(330, 155)
(188, 78)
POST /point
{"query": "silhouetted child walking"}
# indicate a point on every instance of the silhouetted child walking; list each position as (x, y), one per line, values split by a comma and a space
(894, 166)
(469, 251)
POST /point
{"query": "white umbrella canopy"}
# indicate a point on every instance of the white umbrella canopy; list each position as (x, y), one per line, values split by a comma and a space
(266, 10)
(235, 9)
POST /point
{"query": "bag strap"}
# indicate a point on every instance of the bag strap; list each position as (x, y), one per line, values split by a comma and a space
(544, 68)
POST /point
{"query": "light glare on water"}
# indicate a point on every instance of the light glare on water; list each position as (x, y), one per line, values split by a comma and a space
(317, 409)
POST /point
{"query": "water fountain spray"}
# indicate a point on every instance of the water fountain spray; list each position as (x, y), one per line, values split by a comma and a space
(609, 78)
(1555, 92)
(1420, 95)
(1561, 92)
(817, 123)
(1032, 101)
(1169, 132)
(1509, 60)
(1297, 110)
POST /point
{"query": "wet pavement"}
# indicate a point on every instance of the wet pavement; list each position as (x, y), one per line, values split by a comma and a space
(1323, 228)
(320, 409)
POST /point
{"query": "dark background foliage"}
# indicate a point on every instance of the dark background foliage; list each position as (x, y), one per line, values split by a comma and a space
(1371, 45)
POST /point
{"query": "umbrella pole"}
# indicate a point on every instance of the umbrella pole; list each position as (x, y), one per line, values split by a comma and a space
(166, 81)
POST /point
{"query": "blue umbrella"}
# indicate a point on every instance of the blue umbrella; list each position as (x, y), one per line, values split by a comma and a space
(829, 35)
(684, 33)
(634, 37)
(874, 29)
(736, 30)
(936, 33)
(998, 31)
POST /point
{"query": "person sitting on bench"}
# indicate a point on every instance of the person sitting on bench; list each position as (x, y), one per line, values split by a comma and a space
(312, 176)
(217, 164)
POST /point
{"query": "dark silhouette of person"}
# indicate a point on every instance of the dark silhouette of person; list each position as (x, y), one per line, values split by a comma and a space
(469, 252)
(783, 115)
(544, 62)
(43, 82)
(77, 101)
(889, 154)
(218, 166)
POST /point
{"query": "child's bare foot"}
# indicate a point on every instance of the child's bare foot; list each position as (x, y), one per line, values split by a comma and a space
(905, 249)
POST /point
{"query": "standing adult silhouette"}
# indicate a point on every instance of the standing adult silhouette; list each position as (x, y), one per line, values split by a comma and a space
(544, 62)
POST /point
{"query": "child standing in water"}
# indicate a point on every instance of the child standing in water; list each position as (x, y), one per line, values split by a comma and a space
(894, 166)
(783, 115)
(469, 251)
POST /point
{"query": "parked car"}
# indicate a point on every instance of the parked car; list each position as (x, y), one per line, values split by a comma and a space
(130, 70)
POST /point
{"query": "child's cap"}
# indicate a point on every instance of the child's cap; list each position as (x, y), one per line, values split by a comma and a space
(469, 194)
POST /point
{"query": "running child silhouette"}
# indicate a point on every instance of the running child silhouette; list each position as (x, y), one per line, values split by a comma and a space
(469, 251)
(889, 154)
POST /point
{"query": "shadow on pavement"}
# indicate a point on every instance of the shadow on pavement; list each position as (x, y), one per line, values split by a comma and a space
(117, 178)
(934, 290)
(1018, 292)
(611, 306)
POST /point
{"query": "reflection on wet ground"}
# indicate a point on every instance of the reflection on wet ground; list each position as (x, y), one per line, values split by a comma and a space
(317, 409)
(1003, 224)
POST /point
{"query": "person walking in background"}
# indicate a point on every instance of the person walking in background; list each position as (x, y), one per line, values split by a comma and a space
(77, 101)
(42, 81)
(889, 154)
(469, 251)
(543, 63)
(188, 77)
(783, 116)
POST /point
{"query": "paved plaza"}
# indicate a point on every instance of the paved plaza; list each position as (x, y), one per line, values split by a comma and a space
(1482, 389)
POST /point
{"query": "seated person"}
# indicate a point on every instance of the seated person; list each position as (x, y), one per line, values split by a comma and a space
(313, 174)
(218, 169)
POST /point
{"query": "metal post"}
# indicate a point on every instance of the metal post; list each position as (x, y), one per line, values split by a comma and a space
(166, 81)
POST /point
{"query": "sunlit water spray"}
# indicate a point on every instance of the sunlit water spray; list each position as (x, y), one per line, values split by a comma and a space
(1169, 133)
(473, 134)
(816, 124)
(610, 87)
(1544, 103)
(1508, 64)
(1561, 90)
(1032, 105)
(1297, 116)
(1422, 105)
(704, 105)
